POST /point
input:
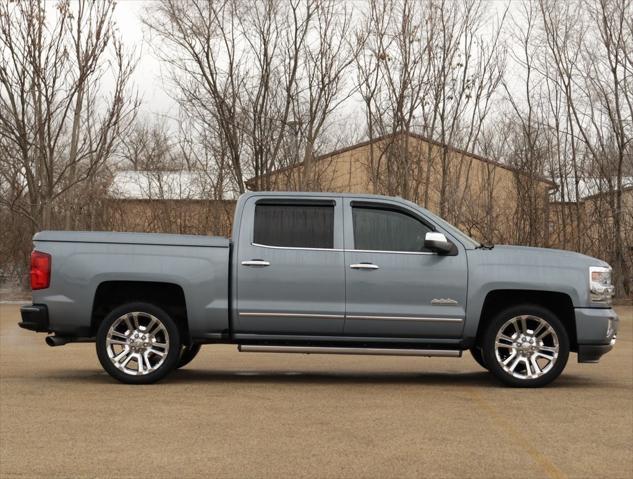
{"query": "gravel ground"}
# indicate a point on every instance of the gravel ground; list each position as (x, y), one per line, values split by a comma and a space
(246, 415)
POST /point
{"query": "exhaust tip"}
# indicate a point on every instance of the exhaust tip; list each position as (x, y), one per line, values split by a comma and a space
(55, 341)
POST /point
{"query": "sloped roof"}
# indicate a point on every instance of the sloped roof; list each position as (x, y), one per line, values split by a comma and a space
(587, 187)
(418, 137)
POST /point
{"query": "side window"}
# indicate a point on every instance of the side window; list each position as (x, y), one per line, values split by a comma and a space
(294, 225)
(387, 230)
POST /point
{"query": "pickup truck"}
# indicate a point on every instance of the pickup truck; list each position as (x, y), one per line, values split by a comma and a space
(321, 273)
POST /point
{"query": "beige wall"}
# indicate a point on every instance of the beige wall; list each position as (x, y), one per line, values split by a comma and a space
(204, 217)
(600, 232)
(488, 201)
(587, 227)
(564, 222)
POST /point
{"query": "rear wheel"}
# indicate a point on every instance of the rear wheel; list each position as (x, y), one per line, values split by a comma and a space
(187, 355)
(526, 346)
(138, 343)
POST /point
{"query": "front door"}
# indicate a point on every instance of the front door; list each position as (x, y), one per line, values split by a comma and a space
(290, 271)
(394, 287)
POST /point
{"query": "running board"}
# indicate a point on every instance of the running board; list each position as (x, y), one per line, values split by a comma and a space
(255, 348)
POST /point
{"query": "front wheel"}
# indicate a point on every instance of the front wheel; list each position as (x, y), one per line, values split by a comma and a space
(526, 346)
(138, 343)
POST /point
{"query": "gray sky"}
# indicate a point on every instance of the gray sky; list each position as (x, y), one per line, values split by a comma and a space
(148, 76)
(151, 78)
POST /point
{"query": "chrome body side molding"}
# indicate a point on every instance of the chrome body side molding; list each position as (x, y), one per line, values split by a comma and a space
(408, 318)
(353, 317)
(292, 315)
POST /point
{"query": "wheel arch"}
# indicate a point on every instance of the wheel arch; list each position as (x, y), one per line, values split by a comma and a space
(558, 303)
(168, 296)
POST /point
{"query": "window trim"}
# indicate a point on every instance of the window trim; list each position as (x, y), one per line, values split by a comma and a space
(303, 248)
(422, 253)
(340, 250)
(393, 208)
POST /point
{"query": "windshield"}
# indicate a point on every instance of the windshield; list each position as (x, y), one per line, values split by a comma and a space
(463, 237)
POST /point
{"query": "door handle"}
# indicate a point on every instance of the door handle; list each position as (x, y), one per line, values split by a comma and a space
(256, 262)
(364, 266)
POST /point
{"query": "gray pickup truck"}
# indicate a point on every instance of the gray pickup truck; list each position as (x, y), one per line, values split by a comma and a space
(321, 273)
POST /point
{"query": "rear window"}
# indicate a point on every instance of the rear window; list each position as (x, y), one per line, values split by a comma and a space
(294, 225)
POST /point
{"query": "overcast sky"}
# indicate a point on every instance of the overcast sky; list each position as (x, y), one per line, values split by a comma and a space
(148, 76)
(151, 78)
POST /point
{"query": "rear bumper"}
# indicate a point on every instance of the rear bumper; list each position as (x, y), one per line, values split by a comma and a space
(596, 330)
(35, 318)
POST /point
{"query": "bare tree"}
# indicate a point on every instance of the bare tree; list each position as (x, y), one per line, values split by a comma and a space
(321, 85)
(427, 68)
(57, 128)
(526, 131)
(595, 72)
(259, 82)
(392, 76)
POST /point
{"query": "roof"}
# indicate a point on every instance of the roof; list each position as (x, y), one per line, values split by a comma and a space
(413, 135)
(331, 194)
(587, 188)
(161, 185)
(322, 194)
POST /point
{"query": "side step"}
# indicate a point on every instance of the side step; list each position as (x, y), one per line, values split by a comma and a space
(256, 348)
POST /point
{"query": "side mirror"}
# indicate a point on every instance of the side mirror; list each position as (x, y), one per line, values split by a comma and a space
(437, 242)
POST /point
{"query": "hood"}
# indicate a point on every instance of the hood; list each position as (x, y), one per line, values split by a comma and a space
(526, 255)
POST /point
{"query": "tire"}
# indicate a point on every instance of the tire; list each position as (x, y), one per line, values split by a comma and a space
(187, 355)
(533, 346)
(478, 357)
(138, 343)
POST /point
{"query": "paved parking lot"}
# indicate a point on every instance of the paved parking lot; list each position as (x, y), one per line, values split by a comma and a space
(231, 414)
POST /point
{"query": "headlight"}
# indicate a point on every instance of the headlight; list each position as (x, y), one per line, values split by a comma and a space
(600, 284)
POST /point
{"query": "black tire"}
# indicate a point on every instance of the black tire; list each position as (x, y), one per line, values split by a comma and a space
(533, 315)
(478, 357)
(187, 355)
(169, 334)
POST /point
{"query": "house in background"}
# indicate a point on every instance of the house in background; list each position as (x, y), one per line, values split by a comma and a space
(581, 217)
(167, 202)
(489, 200)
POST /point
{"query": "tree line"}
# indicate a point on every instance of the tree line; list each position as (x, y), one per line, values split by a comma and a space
(543, 86)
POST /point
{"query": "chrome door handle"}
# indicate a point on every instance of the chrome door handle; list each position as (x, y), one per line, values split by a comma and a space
(364, 266)
(256, 262)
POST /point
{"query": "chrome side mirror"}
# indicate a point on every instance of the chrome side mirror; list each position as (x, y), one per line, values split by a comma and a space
(437, 243)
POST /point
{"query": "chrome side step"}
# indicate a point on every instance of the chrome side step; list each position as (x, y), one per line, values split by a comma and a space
(256, 348)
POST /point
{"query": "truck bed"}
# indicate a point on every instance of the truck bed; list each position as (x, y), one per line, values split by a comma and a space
(84, 263)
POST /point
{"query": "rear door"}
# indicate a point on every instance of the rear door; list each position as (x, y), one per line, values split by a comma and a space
(290, 271)
(395, 288)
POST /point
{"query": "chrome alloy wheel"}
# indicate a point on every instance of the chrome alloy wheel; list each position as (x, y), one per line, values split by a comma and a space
(526, 347)
(137, 343)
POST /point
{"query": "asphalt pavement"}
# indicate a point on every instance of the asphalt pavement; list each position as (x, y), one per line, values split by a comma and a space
(251, 415)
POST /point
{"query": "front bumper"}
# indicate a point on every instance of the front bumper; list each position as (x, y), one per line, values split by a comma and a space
(596, 331)
(35, 318)
(591, 353)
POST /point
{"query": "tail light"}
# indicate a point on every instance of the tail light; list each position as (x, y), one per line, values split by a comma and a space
(40, 270)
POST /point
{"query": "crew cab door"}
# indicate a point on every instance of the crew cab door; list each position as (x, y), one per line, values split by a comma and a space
(395, 288)
(290, 267)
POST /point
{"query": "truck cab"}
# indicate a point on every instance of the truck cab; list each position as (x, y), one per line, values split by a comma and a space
(345, 267)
